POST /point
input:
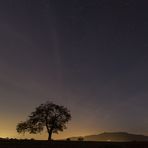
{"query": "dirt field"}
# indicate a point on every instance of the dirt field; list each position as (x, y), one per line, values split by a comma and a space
(71, 144)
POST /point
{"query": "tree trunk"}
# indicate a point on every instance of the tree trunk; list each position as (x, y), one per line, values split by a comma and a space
(49, 130)
(49, 135)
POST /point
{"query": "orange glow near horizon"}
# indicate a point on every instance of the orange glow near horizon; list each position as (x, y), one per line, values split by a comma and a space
(8, 131)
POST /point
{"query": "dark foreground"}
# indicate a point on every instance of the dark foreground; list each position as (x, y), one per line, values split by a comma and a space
(71, 144)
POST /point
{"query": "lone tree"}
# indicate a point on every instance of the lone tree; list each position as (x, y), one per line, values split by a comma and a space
(50, 116)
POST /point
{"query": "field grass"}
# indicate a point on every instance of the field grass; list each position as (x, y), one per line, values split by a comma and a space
(70, 144)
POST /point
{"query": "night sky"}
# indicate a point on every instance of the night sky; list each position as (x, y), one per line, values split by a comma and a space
(88, 55)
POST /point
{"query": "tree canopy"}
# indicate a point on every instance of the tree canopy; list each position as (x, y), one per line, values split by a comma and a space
(49, 116)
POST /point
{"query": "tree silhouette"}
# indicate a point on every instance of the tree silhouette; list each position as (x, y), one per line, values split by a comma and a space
(50, 116)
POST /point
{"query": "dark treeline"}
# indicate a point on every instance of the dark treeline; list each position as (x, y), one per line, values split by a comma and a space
(69, 144)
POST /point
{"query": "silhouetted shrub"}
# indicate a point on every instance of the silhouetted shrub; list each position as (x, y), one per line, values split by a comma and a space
(80, 139)
(68, 139)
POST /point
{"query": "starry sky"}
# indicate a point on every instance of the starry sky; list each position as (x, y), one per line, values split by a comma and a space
(88, 55)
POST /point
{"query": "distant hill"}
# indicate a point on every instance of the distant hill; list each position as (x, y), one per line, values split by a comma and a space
(111, 136)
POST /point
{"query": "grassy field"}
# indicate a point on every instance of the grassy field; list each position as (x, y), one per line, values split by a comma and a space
(70, 144)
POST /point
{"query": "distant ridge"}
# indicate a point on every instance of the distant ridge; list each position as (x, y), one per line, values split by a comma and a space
(113, 136)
